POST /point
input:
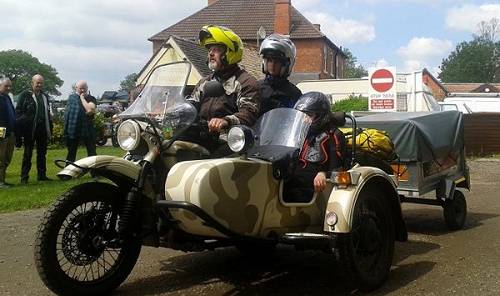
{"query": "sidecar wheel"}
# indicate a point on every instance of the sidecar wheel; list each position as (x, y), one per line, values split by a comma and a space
(365, 255)
(76, 250)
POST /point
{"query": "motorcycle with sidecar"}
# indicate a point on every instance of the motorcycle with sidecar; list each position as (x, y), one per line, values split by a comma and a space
(168, 193)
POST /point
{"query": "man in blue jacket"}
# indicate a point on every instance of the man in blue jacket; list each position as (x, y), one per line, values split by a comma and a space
(7, 126)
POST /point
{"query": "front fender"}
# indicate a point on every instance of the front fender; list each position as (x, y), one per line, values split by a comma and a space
(343, 201)
(114, 164)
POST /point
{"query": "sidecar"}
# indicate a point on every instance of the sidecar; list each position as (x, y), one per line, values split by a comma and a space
(240, 201)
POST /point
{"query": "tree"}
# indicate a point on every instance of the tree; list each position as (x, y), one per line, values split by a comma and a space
(488, 30)
(477, 60)
(353, 70)
(129, 82)
(21, 66)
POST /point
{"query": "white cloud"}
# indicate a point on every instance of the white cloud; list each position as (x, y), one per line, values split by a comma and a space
(381, 63)
(467, 17)
(99, 41)
(343, 31)
(421, 52)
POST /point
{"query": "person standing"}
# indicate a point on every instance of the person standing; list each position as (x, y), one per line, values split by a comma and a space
(34, 123)
(7, 127)
(79, 121)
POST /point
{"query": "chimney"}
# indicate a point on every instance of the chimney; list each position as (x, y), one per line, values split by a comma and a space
(210, 2)
(317, 26)
(282, 17)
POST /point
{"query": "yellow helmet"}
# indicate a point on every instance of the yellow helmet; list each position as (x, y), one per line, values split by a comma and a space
(212, 34)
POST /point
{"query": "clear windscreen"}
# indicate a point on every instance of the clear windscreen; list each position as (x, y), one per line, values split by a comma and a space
(162, 98)
(282, 127)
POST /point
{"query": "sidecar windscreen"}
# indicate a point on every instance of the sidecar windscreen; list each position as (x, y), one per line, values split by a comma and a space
(281, 127)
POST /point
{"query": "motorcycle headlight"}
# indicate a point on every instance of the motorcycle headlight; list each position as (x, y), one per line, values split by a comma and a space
(240, 138)
(128, 135)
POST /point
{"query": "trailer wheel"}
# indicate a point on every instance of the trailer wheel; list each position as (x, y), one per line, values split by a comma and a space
(455, 211)
(365, 255)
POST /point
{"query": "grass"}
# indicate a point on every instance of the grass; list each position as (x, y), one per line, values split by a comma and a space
(40, 194)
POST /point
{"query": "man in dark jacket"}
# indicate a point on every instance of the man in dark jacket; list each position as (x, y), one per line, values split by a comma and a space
(239, 101)
(7, 127)
(35, 126)
(278, 57)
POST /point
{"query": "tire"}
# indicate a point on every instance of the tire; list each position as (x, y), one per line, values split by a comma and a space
(365, 255)
(101, 141)
(253, 249)
(114, 141)
(455, 211)
(69, 249)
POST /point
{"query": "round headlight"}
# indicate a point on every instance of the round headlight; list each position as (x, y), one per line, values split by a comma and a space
(239, 138)
(128, 135)
(331, 218)
(236, 139)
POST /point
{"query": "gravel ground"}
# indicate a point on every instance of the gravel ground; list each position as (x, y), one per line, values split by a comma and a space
(434, 261)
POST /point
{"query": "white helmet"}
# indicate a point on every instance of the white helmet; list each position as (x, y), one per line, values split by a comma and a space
(278, 46)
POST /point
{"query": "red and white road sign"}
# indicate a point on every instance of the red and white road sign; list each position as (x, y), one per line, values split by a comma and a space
(382, 80)
(382, 93)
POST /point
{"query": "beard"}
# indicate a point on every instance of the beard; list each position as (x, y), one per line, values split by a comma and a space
(213, 65)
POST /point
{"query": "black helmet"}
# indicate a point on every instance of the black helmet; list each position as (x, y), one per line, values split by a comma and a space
(317, 103)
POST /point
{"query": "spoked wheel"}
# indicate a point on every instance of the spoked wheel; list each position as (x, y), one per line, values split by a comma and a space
(77, 250)
(366, 254)
(455, 211)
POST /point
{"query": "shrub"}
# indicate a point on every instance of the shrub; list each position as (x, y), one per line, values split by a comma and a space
(351, 103)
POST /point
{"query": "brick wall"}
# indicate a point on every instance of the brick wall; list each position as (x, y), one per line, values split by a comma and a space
(437, 91)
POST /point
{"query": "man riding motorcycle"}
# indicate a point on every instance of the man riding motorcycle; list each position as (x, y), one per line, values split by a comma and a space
(237, 103)
(278, 58)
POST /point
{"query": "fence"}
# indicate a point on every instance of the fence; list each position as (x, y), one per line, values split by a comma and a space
(482, 133)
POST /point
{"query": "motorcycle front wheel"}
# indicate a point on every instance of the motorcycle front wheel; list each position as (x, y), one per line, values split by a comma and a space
(77, 250)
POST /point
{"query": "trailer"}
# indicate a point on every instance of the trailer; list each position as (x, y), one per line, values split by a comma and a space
(431, 157)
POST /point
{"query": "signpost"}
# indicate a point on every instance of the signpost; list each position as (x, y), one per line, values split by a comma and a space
(382, 93)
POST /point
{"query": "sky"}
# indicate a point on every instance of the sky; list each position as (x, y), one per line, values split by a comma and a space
(101, 41)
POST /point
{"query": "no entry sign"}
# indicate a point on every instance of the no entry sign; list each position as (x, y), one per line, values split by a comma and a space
(382, 89)
(382, 80)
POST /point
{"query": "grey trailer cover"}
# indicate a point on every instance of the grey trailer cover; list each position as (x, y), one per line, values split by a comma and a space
(420, 136)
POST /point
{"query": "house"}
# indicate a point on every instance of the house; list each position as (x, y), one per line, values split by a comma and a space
(472, 87)
(317, 56)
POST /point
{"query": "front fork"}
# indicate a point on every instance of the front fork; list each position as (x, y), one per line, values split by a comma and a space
(129, 209)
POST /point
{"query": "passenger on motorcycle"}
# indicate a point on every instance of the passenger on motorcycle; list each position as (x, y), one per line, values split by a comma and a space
(237, 103)
(278, 58)
(324, 150)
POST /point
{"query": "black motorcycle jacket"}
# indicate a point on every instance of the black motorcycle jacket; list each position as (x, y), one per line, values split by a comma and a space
(277, 93)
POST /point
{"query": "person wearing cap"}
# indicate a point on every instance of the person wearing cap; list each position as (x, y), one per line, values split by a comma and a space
(278, 58)
(239, 102)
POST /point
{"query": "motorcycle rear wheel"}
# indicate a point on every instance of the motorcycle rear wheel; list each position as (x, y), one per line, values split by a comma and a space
(76, 250)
